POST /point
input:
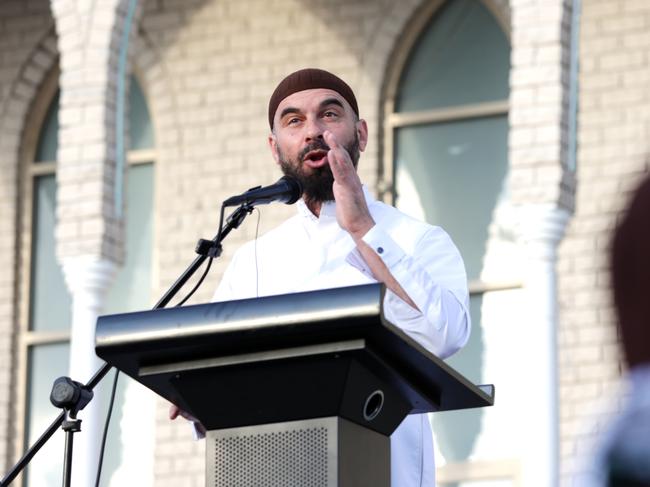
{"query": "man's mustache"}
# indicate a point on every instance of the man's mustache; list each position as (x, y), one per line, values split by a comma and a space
(316, 145)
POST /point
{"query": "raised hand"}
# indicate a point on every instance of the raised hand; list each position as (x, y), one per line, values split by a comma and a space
(353, 215)
(351, 209)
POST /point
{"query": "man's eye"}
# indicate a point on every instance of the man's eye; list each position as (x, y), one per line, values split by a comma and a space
(293, 121)
(330, 114)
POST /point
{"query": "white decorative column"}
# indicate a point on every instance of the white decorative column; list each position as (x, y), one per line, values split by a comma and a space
(90, 231)
(542, 186)
(88, 279)
(543, 227)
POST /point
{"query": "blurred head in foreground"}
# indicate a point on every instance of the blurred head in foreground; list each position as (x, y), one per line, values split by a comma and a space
(631, 277)
(628, 455)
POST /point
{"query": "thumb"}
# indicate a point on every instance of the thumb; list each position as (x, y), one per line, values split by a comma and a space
(330, 139)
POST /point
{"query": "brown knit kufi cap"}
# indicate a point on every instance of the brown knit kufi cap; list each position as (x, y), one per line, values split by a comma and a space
(308, 79)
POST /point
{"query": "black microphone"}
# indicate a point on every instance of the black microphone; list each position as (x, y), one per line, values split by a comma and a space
(286, 189)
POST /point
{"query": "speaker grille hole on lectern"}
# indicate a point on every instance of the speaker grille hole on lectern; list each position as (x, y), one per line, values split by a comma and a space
(374, 403)
(290, 458)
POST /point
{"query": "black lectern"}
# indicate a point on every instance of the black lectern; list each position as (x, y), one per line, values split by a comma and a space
(295, 390)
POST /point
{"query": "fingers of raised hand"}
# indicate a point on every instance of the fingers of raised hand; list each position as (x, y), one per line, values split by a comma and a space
(339, 159)
(330, 140)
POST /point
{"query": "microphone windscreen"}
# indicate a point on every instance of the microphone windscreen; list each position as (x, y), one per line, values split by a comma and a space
(295, 189)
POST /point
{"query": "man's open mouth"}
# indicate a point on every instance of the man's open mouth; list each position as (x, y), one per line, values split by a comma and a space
(316, 158)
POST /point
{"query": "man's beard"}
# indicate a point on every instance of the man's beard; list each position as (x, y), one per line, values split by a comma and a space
(317, 185)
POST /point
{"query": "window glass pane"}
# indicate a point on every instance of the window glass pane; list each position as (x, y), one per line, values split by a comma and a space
(128, 458)
(462, 58)
(50, 306)
(46, 363)
(453, 175)
(48, 142)
(132, 426)
(456, 432)
(49, 301)
(131, 289)
(140, 130)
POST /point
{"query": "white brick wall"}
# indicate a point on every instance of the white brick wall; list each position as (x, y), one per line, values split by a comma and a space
(614, 125)
(88, 40)
(26, 56)
(539, 102)
(208, 67)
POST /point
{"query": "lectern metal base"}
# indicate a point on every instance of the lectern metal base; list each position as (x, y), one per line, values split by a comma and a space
(323, 452)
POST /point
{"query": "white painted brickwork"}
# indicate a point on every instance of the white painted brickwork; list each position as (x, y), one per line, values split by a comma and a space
(207, 68)
(27, 53)
(88, 39)
(614, 125)
(539, 91)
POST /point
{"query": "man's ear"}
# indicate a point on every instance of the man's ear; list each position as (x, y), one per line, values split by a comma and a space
(362, 133)
(273, 145)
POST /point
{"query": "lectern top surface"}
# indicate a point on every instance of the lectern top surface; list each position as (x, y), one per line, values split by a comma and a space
(312, 332)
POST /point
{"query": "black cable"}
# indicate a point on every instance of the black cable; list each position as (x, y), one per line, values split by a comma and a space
(113, 391)
(196, 286)
(218, 237)
(117, 372)
(106, 424)
(207, 268)
(257, 271)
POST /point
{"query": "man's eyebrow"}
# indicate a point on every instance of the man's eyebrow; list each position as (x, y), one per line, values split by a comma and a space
(288, 110)
(331, 101)
(323, 104)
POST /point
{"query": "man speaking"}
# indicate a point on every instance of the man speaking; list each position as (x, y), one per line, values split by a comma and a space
(341, 236)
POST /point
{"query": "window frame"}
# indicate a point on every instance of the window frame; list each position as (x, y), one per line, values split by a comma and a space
(422, 19)
(29, 170)
(393, 120)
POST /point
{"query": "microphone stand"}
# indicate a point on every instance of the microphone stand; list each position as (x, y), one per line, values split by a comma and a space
(72, 397)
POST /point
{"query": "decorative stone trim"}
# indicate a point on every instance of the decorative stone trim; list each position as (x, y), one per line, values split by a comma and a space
(89, 40)
(539, 111)
(542, 229)
(90, 230)
(88, 278)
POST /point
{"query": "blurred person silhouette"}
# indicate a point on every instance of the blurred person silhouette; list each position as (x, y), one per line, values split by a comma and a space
(626, 451)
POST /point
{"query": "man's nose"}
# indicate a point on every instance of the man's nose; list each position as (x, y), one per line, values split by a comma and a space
(313, 130)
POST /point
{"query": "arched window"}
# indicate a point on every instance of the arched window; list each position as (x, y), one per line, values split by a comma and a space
(45, 316)
(450, 125)
(446, 161)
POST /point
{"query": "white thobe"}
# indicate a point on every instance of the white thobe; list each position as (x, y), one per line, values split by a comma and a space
(308, 253)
